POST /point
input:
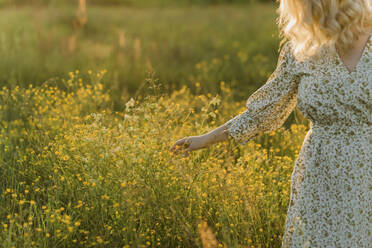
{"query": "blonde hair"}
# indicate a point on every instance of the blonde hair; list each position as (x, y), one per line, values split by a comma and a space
(313, 24)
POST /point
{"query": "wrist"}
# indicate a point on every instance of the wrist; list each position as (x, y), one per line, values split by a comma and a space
(206, 140)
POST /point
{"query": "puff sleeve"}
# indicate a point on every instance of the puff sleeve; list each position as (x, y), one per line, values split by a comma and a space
(269, 106)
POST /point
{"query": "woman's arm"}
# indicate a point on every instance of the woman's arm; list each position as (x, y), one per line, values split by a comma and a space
(266, 109)
(219, 134)
(192, 143)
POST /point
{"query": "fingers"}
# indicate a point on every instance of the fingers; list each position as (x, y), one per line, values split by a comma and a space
(187, 152)
(176, 144)
(181, 145)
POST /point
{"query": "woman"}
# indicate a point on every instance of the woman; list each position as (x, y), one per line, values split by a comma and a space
(325, 69)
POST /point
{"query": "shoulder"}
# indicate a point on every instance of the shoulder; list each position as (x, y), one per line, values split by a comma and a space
(286, 49)
(287, 53)
(286, 56)
(369, 43)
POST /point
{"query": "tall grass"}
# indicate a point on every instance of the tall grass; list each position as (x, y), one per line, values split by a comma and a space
(75, 173)
(131, 2)
(235, 44)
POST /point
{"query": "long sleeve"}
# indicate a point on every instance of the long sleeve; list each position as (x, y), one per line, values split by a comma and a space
(269, 106)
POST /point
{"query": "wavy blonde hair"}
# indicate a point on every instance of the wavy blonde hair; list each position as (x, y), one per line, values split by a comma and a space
(313, 24)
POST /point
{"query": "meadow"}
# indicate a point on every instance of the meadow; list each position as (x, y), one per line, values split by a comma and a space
(85, 130)
(182, 45)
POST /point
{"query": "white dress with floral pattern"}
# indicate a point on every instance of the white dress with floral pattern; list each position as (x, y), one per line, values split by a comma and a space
(331, 183)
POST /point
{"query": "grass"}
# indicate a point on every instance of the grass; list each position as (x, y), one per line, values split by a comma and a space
(78, 174)
(182, 45)
(130, 2)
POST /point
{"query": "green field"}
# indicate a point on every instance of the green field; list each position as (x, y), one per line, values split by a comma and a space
(89, 110)
(130, 2)
(182, 45)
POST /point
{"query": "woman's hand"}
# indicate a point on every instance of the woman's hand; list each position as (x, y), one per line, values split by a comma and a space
(190, 143)
(193, 143)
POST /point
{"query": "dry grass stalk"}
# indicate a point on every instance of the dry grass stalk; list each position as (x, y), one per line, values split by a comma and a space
(78, 24)
(137, 48)
(122, 40)
(81, 14)
(206, 235)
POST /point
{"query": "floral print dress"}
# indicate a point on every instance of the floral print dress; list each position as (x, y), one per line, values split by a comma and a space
(331, 183)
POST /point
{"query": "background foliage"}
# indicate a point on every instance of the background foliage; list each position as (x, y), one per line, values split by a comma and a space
(182, 45)
(132, 2)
